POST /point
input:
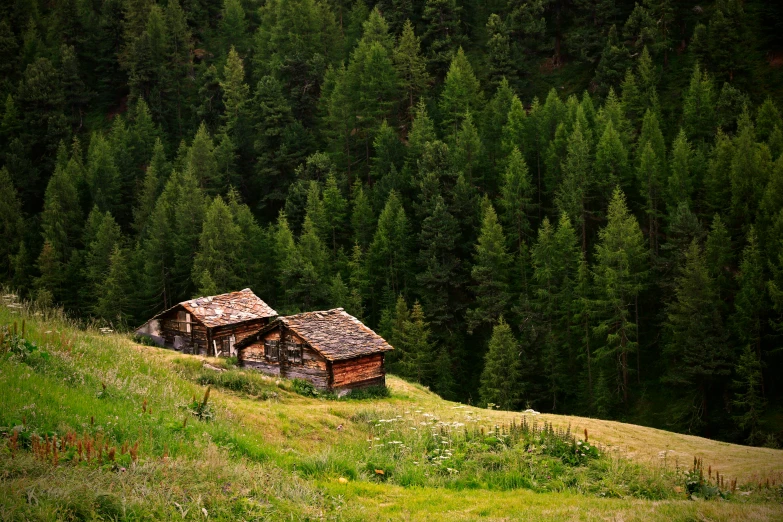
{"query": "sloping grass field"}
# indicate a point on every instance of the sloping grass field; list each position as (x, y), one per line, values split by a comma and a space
(96, 427)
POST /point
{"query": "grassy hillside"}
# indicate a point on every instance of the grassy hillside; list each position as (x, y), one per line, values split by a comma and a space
(136, 442)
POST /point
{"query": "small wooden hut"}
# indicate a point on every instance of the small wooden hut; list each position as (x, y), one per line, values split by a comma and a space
(209, 325)
(331, 349)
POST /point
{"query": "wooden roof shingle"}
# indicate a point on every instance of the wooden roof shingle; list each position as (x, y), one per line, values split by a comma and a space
(226, 309)
(335, 334)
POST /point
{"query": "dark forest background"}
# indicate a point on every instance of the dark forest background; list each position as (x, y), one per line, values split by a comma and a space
(570, 205)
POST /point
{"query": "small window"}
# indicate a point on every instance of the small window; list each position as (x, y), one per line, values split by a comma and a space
(293, 351)
(183, 322)
(271, 349)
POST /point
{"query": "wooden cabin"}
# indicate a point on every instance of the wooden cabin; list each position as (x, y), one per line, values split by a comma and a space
(209, 325)
(331, 349)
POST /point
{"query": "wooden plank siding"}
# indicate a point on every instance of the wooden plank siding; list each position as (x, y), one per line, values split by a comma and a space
(199, 340)
(357, 372)
(312, 366)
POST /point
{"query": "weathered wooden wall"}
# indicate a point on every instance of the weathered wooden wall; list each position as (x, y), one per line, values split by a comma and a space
(313, 367)
(199, 340)
(359, 372)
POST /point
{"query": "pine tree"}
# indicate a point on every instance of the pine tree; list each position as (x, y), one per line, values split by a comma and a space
(189, 208)
(11, 224)
(362, 217)
(516, 129)
(439, 278)
(500, 380)
(555, 258)
(233, 26)
(501, 65)
(747, 321)
(698, 109)
(388, 253)
(750, 170)
(468, 156)
(680, 186)
(102, 235)
(335, 207)
(114, 291)
(611, 167)
(235, 97)
(443, 35)
(411, 69)
(418, 352)
(217, 253)
(516, 201)
(490, 273)
(577, 186)
(461, 94)
(749, 397)
(697, 350)
(613, 63)
(103, 176)
(619, 275)
(201, 162)
(718, 253)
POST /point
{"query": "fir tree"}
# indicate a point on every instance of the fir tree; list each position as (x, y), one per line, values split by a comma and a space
(750, 301)
(749, 397)
(443, 35)
(362, 217)
(113, 301)
(500, 380)
(516, 200)
(438, 276)
(461, 94)
(11, 224)
(697, 350)
(217, 253)
(490, 272)
(698, 110)
(619, 274)
(411, 69)
(418, 352)
(575, 190)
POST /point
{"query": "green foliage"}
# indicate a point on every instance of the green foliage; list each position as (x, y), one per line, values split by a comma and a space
(501, 378)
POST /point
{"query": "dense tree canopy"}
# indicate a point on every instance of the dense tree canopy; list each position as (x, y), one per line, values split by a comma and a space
(576, 206)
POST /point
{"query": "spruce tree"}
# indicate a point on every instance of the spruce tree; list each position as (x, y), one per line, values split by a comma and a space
(680, 186)
(388, 254)
(697, 351)
(217, 253)
(516, 201)
(438, 276)
(698, 110)
(11, 224)
(461, 94)
(411, 69)
(418, 351)
(500, 380)
(620, 267)
(749, 401)
(490, 273)
(362, 217)
(747, 321)
(113, 299)
(576, 189)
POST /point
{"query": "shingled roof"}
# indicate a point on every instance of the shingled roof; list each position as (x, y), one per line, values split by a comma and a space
(335, 334)
(226, 309)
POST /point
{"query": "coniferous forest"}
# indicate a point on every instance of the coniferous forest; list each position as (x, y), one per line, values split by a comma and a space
(569, 205)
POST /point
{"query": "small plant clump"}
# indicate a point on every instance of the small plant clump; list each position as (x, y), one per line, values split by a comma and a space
(304, 387)
(201, 409)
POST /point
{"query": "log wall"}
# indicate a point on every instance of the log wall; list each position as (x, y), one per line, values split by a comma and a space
(199, 340)
(362, 371)
(359, 372)
(313, 367)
